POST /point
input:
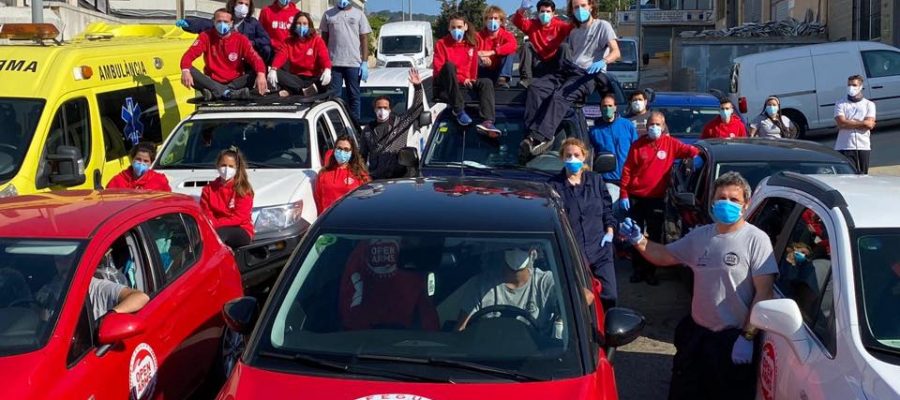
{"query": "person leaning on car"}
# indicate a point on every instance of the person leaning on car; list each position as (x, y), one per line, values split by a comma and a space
(734, 268)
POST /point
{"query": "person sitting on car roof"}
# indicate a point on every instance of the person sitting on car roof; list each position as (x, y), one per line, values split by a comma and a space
(545, 34)
(383, 138)
(517, 283)
(639, 111)
(726, 125)
(139, 175)
(456, 66)
(496, 48)
(613, 134)
(228, 200)
(344, 171)
(224, 55)
(306, 56)
(245, 23)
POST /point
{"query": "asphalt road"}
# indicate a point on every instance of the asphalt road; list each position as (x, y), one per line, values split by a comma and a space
(885, 148)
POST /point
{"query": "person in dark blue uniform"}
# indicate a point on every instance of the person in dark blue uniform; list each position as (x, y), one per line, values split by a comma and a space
(589, 208)
(244, 22)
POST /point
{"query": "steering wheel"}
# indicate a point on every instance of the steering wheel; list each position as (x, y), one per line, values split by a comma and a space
(506, 311)
(9, 146)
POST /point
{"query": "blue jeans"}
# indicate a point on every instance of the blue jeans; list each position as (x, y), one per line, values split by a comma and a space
(349, 77)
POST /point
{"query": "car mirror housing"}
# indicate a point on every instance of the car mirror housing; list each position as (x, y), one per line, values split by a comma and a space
(408, 157)
(782, 317)
(69, 166)
(424, 118)
(116, 327)
(240, 314)
(622, 326)
(604, 162)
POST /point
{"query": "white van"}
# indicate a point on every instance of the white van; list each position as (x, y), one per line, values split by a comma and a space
(810, 79)
(628, 69)
(394, 83)
(398, 42)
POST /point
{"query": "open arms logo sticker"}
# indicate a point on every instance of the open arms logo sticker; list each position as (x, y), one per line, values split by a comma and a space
(131, 114)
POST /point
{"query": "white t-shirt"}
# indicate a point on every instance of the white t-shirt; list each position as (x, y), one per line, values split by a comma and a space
(854, 139)
(765, 127)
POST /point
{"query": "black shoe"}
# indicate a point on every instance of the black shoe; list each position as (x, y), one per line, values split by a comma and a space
(207, 95)
(503, 83)
(635, 278)
(310, 90)
(240, 94)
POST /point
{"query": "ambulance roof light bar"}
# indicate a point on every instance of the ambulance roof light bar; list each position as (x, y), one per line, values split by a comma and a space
(37, 32)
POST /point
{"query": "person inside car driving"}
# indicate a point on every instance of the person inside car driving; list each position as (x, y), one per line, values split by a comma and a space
(517, 283)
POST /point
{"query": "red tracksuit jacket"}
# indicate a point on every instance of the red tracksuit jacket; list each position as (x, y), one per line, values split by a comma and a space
(504, 44)
(277, 20)
(463, 54)
(332, 185)
(646, 170)
(151, 180)
(716, 128)
(224, 56)
(225, 208)
(545, 39)
(307, 57)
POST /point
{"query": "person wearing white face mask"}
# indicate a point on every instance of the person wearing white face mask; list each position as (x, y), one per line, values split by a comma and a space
(244, 22)
(545, 34)
(639, 111)
(304, 56)
(228, 200)
(771, 123)
(383, 138)
(855, 117)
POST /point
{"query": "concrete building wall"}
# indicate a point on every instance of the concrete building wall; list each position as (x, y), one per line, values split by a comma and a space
(840, 23)
(796, 9)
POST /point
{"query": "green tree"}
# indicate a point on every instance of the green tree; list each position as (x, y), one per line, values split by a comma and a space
(375, 21)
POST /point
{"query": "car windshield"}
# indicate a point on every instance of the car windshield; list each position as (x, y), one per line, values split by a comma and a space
(628, 62)
(687, 121)
(266, 143)
(18, 120)
(878, 266)
(401, 44)
(450, 303)
(367, 96)
(34, 276)
(755, 171)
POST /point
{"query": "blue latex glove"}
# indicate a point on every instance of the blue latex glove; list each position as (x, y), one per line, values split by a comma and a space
(631, 231)
(742, 351)
(698, 162)
(607, 238)
(364, 71)
(624, 204)
(596, 67)
(181, 23)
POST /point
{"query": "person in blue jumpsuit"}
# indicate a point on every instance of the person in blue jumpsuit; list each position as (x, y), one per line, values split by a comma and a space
(589, 209)
(244, 22)
(613, 134)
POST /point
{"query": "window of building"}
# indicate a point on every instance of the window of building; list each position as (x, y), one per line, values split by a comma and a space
(869, 19)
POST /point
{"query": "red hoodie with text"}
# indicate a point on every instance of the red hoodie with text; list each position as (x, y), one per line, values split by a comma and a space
(545, 39)
(646, 170)
(307, 57)
(504, 44)
(718, 129)
(462, 54)
(277, 20)
(223, 56)
(334, 184)
(151, 180)
(225, 207)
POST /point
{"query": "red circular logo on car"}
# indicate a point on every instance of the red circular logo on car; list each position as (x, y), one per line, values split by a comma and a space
(142, 372)
(768, 371)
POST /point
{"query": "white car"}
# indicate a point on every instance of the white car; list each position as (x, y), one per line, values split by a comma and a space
(284, 145)
(833, 331)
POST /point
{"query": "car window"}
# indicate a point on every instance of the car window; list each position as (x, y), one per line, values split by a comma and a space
(172, 244)
(771, 217)
(337, 123)
(880, 63)
(878, 271)
(323, 134)
(805, 276)
(126, 263)
(19, 117)
(127, 117)
(686, 121)
(756, 171)
(71, 126)
(83, 337)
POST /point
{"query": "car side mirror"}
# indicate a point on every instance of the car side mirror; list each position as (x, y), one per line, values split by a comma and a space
(782, 317)
(685, 199)
(604, 162)
(240, 314)
(69, 170)
(622, 326)
(116, 328)
(645, 59)
(425, 118)
(408, 157)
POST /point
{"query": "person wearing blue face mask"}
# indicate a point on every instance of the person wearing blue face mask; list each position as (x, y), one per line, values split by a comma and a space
(545, 33)
(589, 210)
(276, 19)
(582, 70)
(244, 22)
(346, 32)
(344, 171)
(302, 65)
(614, 134)
(497, 48)
(139, 175)
(725, 126)
(734, 268)
(771, 123)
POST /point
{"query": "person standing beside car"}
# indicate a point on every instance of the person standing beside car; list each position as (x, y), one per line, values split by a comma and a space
(726, 125)
(545, 34)
(855, 117)
(613, 134)
(734, 268)
(346, 31)
(344, 171)
(306, 58)
(645, 178)
(383, 138)
(228, 200)
(770, 123)
(139, 175)
(589, 209)
(244, 23)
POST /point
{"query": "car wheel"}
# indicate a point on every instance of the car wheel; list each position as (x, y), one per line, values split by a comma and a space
(799, 121)
(230, 352)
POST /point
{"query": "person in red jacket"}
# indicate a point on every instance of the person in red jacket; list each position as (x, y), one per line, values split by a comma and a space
(139, 175)
(456, 65)
(644, 179)
(306, 56)
(228, 200)
(276, 19)
(344, 171)
(545, 34)
(224, 54)
(726, 125)
(496, 48)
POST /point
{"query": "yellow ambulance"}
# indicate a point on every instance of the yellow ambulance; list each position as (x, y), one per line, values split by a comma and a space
(70, 112)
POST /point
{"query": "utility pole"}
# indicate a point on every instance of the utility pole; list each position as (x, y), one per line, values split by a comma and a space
(37, 11)
(179, 9)
(640, 30)
(409, 3)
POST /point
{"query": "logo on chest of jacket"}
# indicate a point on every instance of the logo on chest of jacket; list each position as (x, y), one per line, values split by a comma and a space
(309, 52)
(471, 52)
(661, 154)
(731, 259)
(232, 57)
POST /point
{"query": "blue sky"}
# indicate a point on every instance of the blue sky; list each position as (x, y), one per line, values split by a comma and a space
(433, 6)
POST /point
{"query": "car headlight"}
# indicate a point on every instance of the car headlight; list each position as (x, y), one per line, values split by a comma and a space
(276, 218)
(9, 191)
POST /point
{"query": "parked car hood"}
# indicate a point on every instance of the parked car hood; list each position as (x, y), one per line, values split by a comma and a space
(270, 186)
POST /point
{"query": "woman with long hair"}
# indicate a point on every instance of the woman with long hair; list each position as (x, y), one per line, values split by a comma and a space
(344, 171)
(228, 200)
(306, 56)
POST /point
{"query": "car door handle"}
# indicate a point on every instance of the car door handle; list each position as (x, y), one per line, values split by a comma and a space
(878, 87)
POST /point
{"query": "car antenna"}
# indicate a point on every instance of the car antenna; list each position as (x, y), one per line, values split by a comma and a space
(462, 162)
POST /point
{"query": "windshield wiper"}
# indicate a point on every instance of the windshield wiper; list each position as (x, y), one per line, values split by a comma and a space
(519, 167)
(190, 165)
(347, 368)
(465, 365)
(465, 165)
(254, 164)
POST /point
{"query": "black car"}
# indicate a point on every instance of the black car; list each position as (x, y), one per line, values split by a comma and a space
(383, 286)
(689, 193)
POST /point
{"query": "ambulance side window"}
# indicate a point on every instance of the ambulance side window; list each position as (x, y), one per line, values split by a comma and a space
(129, 116)
(71, 126)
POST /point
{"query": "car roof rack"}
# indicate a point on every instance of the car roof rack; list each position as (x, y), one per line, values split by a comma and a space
(266, 103)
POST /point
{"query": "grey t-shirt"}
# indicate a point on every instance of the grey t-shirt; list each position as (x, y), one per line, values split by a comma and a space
(765, 127)
(640, 122)
(343, 28)
(104, 295)
(590, 42)
(723, 265)
(536, 297)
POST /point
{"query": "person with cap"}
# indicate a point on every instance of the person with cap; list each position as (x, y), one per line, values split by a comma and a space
(614, 134)
(305, 56)
(346, 31)
(639, 111)
(245, 23)
(734, 268)
(496, 48)
(224, 57)
(545, 34)
(726, 125)
(139, 175)
(771, 123)
(855, 117)
(645, 177)
(589, 209)
(276, 19)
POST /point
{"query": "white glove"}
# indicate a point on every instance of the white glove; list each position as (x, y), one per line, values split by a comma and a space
(325, 79)
(273, 78)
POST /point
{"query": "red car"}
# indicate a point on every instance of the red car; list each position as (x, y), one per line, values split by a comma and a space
(68, 258)
(401, 291)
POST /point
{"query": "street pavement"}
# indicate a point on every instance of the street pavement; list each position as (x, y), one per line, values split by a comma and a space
(885, 158)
